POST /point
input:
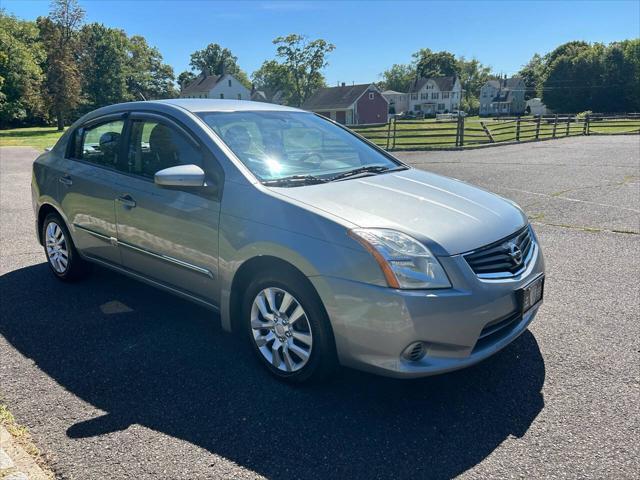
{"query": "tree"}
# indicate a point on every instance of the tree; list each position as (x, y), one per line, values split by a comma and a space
(272, 77)
(21, 54)
(58, 34)
(304, 61)
(185, 77)
(147, 75)
(399, 77)
(215, 60)
(435, 64)
(578, 76)
(532, 74)
(103, 61)
(473, 75)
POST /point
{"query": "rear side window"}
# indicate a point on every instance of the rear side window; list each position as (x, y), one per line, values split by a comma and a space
(155, 146)
(100, 144)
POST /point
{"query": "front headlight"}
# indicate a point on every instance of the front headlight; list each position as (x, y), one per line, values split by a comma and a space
(405, 262)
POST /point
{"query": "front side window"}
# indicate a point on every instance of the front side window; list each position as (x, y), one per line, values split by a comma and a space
(222, 95)
(275, 145)
(155, 146)
(100, 144)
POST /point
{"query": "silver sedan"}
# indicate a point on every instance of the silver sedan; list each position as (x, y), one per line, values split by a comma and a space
(318, 247)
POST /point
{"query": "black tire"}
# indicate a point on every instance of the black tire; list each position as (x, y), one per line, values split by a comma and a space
(322, 360)
(76, 267)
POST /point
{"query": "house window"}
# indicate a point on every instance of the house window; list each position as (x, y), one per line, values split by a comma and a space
(445, 94)
(435, 95)
(371, 95)
(424, 96)
(239, 96)
(414, 96)
(222, 95)
(441, 106)
(229, 82)
(418, 108)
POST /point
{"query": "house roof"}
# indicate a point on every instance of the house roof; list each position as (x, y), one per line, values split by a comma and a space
(335, 97)
(201, 84)
(506, 83)
(444, 84)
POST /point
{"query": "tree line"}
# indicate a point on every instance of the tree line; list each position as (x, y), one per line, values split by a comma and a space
(57, 68)
(578, 76)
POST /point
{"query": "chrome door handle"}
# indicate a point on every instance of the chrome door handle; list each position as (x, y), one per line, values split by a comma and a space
(65, 180)
(127, 201)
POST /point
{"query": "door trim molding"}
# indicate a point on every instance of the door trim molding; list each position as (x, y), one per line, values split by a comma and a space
(119, 243)
(167, 258)
(101, 236)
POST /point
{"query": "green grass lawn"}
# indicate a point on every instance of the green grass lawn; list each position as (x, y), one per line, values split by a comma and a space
(36, 137)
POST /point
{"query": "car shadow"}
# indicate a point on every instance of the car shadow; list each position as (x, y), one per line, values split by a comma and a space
(148, 358)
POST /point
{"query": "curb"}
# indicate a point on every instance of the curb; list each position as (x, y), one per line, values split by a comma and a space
(15, 462)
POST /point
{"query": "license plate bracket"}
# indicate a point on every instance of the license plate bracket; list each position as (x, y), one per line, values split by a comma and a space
(531, 294)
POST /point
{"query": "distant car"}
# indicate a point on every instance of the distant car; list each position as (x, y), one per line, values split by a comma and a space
(315, 245)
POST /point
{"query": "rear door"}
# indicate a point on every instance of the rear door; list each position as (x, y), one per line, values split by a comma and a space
(169, 235)
(87, 186)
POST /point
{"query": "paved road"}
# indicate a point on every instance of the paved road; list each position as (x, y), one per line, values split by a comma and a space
(116, 380)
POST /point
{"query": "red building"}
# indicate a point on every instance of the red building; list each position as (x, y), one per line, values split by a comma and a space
(350, 104)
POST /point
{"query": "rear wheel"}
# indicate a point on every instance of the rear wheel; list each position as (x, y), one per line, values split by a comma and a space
(288, 328)
(60, 251)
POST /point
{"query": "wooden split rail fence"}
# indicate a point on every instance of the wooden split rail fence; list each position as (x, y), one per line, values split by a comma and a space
(400, 134)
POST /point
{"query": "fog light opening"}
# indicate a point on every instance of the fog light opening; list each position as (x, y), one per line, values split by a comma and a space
(415, 351)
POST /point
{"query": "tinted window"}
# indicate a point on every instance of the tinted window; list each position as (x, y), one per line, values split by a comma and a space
(100, 144)
(274, 145)
(155, 146)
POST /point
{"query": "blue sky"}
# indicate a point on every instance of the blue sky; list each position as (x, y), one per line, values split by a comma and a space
(369, 35)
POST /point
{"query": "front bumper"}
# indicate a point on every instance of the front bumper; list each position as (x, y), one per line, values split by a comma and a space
(373, 325)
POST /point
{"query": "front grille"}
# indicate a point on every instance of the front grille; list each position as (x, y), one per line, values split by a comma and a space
(504, 258)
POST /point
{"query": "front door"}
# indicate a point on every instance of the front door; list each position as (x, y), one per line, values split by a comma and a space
(166, 234)
(87, 185)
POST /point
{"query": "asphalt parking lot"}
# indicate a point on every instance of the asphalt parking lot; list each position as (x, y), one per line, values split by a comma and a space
(117, 380)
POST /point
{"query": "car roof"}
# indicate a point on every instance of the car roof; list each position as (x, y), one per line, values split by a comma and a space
(212, 105)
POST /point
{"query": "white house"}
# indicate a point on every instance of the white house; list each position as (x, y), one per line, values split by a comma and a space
(398, 101)
(502, 97)
(215, 86)
(435, 95)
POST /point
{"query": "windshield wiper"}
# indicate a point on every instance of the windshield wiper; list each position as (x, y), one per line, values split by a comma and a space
(294, 181)
(365, 169)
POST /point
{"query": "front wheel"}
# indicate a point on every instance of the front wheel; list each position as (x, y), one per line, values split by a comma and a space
(288, 328)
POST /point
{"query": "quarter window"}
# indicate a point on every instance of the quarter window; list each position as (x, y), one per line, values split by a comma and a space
(155, 146)
(100, 144)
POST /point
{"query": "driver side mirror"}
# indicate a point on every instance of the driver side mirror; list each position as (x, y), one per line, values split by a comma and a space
(180, 176)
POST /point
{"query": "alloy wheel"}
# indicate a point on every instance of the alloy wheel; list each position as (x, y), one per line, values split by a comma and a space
(281, 329)
(57, 249)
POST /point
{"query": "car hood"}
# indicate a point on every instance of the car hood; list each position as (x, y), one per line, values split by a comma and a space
(448, 215)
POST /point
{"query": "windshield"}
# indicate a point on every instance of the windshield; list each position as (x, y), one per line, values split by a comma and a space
(280, 145)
